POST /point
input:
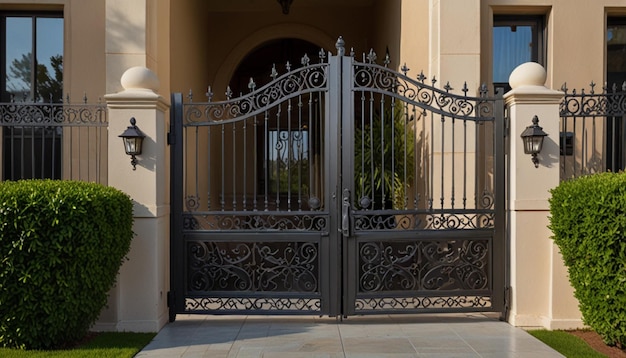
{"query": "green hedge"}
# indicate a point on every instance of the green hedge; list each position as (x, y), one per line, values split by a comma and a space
(588, 220)
(61, 245)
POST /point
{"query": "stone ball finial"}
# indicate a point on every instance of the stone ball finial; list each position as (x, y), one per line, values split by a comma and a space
(528, 74)
(140, 78)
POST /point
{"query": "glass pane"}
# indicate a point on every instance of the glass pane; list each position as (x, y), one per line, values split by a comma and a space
(19, 39)
(49, 59)
(616, 54)
(512, 46)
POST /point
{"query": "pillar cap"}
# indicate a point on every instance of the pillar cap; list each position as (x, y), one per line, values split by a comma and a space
(528, 74)
(140, 78)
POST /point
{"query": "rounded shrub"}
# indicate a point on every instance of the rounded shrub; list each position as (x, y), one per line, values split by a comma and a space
(588, 221)
(61, 245)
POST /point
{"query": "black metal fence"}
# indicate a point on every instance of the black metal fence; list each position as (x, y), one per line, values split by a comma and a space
(54, 141)
(592, 131)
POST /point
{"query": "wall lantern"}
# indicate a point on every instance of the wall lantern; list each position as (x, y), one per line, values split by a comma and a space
(133, 139)
(532, 137)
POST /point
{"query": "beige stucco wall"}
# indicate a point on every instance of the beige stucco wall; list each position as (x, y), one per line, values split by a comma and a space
(83, 60)
(576, 37)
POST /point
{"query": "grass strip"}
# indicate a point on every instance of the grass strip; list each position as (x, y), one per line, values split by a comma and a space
(568, 345)
(104, 345)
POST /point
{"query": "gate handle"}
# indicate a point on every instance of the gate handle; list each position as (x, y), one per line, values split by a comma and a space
(345, 213)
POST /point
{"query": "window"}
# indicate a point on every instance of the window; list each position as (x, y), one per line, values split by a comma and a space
(615, 74)
(31, 73)
(516, 39)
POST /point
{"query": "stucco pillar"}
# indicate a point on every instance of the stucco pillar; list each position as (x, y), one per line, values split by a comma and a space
(140, 297)
(540, 292)
(454, 44)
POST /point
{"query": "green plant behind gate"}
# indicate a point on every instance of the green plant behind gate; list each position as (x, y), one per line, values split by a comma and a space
(61, 245)
(588, 220)
(385, 158)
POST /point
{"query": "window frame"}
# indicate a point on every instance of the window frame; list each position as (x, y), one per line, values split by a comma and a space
(538, 53)
(55, 14)
(25, 149)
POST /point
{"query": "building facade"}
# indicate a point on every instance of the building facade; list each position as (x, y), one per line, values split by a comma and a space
(59, 49)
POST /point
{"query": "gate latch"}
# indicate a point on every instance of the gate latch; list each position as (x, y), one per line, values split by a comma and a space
(345, 212)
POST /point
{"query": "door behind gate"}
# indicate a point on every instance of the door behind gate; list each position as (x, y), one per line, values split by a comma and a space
(341, 187)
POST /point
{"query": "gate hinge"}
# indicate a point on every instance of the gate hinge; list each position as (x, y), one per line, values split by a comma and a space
(507, 126)
(507, 304)
(170, 138)
(170, 299)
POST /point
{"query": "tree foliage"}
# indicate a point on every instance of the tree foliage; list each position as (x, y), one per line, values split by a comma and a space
(48, 86)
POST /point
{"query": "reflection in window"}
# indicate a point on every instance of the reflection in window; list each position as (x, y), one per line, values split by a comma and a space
(516, 39)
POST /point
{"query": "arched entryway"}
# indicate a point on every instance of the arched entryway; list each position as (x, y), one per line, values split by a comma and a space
(273, 54)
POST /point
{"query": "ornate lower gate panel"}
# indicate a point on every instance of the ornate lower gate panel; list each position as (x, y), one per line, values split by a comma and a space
(339, 188)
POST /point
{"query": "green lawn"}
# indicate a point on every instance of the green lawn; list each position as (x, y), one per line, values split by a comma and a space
(105, 345)
(566, 344)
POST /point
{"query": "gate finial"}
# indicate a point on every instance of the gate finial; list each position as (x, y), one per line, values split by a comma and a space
(340, 45)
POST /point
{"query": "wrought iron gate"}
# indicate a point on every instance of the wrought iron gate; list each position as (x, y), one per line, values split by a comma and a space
(341, 187)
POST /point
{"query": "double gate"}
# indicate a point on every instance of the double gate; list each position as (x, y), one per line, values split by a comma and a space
(341, 187)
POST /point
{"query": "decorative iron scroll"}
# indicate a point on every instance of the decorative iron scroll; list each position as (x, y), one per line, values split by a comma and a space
(609, 103)
(420, 220)
(307, 79)
(257, 221)
(253, 267)
(434, 265)
(27, 114)
(427, 303)
(370, 77)
(251, 304)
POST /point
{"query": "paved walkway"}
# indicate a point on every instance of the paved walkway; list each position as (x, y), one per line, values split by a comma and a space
(371, 336)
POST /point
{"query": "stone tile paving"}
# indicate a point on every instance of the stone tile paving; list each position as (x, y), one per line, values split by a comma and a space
(474, 335)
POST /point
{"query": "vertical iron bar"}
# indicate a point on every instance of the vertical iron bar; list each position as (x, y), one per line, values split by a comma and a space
(582, 144)
(266, 167)
(453, 154)
(176, 200)
(33, 173)
(22, 152)
(562, 141)
(300, 154)
(255, 160)
(372, 154)
(234, 164)
(12, 158)
(208, 167)
(289, 154)
(382, 151)
(223, 156)
(71, 160)
(43, 152)
(245, 165)
(416, 160)
(405, 123)
(311, 137)
(431, 188)
(392, 192)
(278, 155)
(465, 160)
(196, 155)
(363, 152)
(443, 149)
